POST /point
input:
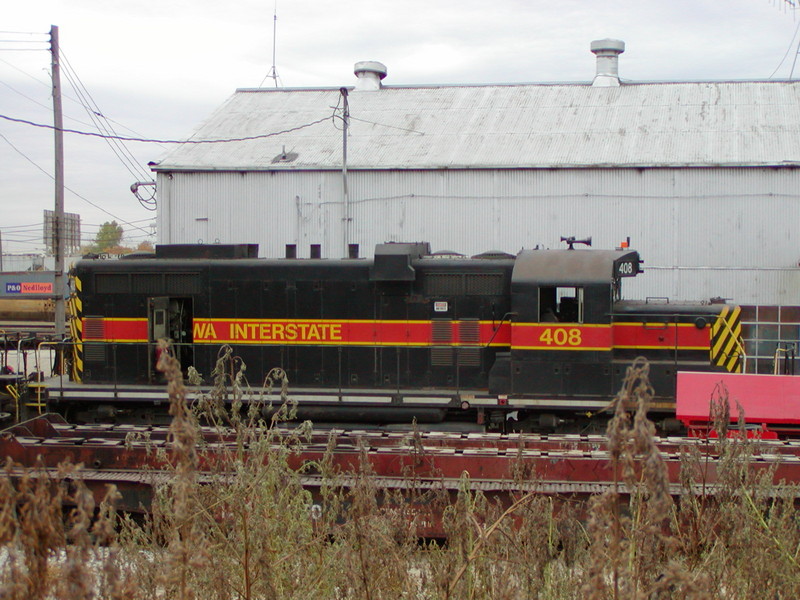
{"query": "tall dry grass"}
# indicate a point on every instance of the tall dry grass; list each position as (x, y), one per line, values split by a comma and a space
(246, 527)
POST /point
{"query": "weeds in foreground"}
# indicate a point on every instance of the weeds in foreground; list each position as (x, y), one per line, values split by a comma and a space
(243, 520)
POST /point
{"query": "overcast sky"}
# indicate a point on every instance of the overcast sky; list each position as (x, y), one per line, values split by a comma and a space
(158, 69)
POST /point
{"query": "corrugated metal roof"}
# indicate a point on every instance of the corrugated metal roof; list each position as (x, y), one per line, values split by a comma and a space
(504, 126)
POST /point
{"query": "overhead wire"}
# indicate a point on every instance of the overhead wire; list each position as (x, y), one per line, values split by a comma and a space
(791, 45)
(64, 95)
(42, 104)
(102, 124)
(25, 33)
(96, 115)
(30, 160)
(156, 141)
(23, 226)
(45, 42)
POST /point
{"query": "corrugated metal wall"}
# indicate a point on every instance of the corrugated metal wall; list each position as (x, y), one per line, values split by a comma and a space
(702, 232)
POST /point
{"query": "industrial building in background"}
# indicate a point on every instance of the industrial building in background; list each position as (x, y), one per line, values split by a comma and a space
(701, 176)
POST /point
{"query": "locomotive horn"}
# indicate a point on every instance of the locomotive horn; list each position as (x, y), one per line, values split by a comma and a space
(571, 241)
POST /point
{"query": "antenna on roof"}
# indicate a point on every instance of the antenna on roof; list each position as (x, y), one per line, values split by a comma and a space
(273, 72)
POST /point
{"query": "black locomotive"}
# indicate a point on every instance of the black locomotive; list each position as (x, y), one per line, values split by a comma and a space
(536, 339)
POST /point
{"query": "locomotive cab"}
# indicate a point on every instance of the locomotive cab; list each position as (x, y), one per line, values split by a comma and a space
(561, 337)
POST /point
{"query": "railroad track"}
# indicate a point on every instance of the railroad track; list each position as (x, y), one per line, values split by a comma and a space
(501, 466)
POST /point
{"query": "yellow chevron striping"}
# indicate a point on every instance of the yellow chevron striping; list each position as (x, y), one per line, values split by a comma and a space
(76, 328)
(726, 339)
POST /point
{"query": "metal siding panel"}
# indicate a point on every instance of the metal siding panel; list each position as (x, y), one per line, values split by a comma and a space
(736, 219)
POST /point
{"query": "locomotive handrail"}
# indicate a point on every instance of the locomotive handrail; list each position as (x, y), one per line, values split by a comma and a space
(19, 352)
(790, 355)
(738, 342)
(502, 320)
(657, 324)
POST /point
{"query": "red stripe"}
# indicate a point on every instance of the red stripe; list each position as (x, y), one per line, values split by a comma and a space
(312, 332)
(118, 330)
(661, 335)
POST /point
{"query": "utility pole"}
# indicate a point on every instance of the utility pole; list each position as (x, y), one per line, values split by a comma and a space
(58, 220)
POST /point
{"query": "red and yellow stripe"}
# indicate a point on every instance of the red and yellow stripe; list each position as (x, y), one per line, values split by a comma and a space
(418, 333)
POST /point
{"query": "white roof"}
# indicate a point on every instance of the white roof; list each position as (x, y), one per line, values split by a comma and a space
(747, 123)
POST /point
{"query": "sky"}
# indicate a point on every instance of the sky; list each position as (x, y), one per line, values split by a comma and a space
(156, 70)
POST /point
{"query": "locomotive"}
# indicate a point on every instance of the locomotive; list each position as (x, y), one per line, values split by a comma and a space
(540, 340)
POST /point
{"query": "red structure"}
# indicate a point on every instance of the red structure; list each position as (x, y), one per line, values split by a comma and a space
(770, 403)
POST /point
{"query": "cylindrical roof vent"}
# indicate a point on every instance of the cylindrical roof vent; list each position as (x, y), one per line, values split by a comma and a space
(607, 52)
(369, 74)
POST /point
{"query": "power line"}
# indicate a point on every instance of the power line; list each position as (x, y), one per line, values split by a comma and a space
(791, 45)
(95, 114)
(24, 33)
(67, 96)
(18, 226)
(153, 141)
(67, 188)
(36, 79)
(43, 105)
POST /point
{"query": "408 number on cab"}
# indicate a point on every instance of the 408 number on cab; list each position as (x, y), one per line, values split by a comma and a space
(561, 336)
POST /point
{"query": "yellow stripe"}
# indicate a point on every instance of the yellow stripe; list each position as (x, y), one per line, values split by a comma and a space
(555, 324)
(336, 343)
(571, 348)
(670, 348)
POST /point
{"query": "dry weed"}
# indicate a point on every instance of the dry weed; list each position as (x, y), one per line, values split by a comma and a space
(236, 520)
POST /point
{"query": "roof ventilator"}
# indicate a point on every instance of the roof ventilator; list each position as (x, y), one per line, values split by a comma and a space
(369, 74)
(607, 52)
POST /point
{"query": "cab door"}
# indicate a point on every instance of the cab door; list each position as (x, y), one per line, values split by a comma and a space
(169, 318)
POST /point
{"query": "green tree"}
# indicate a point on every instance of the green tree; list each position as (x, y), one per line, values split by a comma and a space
(108, 236)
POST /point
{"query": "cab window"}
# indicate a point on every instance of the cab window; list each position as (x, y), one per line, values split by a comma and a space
(561, 304)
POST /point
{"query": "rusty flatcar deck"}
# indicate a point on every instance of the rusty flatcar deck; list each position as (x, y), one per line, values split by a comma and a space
(135, 458)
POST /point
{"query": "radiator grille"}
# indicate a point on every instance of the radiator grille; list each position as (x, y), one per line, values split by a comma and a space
(464, 284)
(469, 331)
(94, 328)
(442, 357)
(443, 284)
(487, 284)
(442, 333)
(147, 283)
(183, 283)
(94, 353)
(469, 357)
(112, 283)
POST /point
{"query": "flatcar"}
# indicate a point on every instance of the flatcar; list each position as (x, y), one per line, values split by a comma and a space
(540, 340)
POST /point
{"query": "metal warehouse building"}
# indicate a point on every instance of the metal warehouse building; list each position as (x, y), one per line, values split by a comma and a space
(701, 176)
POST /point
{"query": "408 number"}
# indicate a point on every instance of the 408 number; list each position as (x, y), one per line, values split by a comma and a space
(558, 336)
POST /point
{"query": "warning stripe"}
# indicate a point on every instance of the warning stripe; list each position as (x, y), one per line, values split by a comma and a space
(75, 309)
(726, 339)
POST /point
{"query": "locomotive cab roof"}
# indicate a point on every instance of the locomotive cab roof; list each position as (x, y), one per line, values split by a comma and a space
(574, 267)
